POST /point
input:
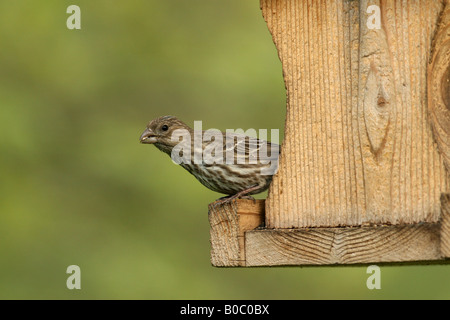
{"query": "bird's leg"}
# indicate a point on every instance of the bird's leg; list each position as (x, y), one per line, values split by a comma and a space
(248, 197)
(239, 195)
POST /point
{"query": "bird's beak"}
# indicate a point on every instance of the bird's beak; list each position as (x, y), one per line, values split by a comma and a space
(148, 136)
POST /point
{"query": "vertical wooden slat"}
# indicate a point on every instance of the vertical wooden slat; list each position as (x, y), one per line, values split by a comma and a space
(439, 86)
(358, 148)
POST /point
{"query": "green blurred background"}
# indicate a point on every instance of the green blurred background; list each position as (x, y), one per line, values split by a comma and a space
(78, 188)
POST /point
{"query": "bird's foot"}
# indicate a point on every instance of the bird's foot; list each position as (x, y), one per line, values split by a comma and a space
(240, 195)
(229, 199)
(223, 201)
(247, 197)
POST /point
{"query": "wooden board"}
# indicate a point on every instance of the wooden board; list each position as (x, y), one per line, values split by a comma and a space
(229, 222)
(439, 86)
(359, 144)
(239, 238)
(328, 246)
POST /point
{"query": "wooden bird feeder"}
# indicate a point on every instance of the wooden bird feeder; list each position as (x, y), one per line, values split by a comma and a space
(364, 172)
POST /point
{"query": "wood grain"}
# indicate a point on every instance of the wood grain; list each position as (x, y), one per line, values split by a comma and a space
(239, 239)
(359, 146)
(439, 86)
(229, 222)
(224, 232)
(328, 246)
(445, 226)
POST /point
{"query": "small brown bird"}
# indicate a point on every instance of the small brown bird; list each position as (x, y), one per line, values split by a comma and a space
(228, 163)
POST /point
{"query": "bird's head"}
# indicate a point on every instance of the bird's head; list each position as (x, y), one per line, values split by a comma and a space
(160, 130)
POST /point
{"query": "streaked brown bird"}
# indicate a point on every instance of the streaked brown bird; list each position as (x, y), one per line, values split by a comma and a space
(228, 163)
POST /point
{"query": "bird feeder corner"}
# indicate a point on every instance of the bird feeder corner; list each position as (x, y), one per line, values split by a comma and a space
(364, 168)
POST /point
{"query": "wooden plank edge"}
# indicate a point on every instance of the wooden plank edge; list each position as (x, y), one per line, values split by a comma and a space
(344, 246)
(228, 224)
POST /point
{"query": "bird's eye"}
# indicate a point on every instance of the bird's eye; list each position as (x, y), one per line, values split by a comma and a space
(165, 127)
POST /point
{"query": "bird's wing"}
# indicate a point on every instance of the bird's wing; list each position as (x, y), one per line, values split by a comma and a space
(251, 150)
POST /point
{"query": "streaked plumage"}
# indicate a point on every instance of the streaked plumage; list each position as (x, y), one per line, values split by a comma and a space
(247, 170)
